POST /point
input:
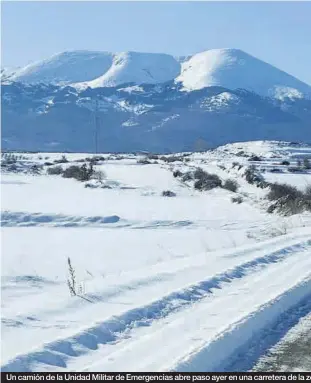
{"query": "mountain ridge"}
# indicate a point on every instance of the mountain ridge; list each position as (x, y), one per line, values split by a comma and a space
(220, 96)
(227, 67)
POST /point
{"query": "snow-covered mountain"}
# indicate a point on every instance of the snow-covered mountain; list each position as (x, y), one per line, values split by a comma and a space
(228, 68)
(140, 68)
(151, 102)
(154, 117)
(98, 69)
(233, 69)
(66, 68)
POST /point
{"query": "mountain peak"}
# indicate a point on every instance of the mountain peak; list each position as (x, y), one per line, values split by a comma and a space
(234, 68)
(66, 68)
(137, 67)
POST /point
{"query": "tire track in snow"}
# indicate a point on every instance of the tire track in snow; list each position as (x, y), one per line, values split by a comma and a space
(59, 352)
(147, 278)
(211, 334)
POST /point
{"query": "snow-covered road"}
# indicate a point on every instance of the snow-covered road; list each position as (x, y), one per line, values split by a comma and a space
(202, 325)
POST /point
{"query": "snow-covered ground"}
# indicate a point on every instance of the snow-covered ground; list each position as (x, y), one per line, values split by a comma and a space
(187, 283)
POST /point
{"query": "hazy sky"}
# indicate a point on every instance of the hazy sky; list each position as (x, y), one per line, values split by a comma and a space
(276, 32)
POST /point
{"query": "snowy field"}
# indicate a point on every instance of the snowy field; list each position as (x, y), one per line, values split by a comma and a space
(187, 283)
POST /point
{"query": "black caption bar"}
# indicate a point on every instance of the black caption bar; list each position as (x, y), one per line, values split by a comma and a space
(154, 377)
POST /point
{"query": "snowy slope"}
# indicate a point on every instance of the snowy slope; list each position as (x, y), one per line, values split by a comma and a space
(139, 68)
(233, 68)
(271, 155)
(97, 69)
(267, 149)
(66, 67)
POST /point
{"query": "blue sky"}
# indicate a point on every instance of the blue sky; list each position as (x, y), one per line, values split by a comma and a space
(276, 32)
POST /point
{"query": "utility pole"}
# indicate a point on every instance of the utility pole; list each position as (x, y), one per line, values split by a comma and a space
(96, 126)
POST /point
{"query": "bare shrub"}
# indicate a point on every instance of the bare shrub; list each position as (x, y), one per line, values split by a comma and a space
(188, 176)
(231, 185)
(168, 193)
(119, 157)
(63, 160)
(241, 153)
(80, 173)
(199, 173)
(287, 206)
(237, 200)
(254, 158)
(143, 161)
(170, 159)
(153, 157)
(35, 169)
(55, 170)
(253, 177)
(288, 199)
(278, 191)
(99, 175)
(177, 173)
(206, 181)
(94, 160)
(99, 158)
